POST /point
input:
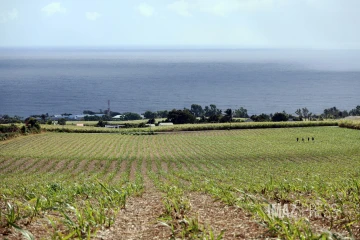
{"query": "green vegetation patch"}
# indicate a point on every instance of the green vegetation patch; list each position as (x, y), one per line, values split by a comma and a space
(294, 188)
(189, 127)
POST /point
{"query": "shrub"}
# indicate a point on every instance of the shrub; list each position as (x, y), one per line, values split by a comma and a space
(354, 124)
(142, 125)
(62, 121)
(180, 116)
(280, 117)
(101, 123)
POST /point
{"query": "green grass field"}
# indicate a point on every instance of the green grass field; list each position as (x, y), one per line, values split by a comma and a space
(251, 183)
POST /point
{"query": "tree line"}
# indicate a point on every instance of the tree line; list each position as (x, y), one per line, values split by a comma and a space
(197, 114)
(211, 114)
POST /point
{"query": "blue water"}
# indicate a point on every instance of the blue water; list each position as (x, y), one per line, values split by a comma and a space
(54, 81)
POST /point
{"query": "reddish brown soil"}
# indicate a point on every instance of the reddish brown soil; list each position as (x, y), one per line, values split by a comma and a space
(139, 218)
(154, 167)
(133, 170)
(80, 167)
(174, 167)
(121, 171)
(164, 166)
(69, 167)
(236, 223)
(5, 162)
(94, 165)
(55, 167)
(39, 228)
(14, 165)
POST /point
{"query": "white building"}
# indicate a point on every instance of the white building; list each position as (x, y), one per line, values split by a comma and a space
(117, 117)
(166, 124)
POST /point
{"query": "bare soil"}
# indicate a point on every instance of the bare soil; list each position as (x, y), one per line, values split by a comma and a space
(218, 216)
(139, 219)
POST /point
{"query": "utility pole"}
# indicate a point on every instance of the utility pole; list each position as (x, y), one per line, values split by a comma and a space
(108, 113)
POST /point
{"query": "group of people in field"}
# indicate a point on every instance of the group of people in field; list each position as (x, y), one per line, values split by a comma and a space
(303, 139)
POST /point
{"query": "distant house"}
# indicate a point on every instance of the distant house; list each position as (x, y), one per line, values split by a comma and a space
(114, 126)
(78, 117)
(249, 120)
(56, 117)
(166, 124)
(150, 125)
(117, 117)
(352, 118)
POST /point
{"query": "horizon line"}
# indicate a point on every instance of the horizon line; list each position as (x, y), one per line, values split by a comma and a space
(169, 47)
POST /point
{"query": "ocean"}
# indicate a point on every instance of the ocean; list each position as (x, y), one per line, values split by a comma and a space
(55, 81)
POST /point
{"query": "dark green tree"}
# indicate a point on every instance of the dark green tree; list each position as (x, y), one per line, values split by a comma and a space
(150, 115)
(331, 113)
(228, 116)
(162, 114)
(280, 117)
(241, 113)
(5, 119)
(92, 118)
(261, 118)
(101, 123)
(180, 116)
(306, 113)
(151, 121)
(131, 116)
(43, 118)
(106, 118)
(31, 125)
(89, 112)
(62, 121)
(196, 110)
(355, 111)
(299, 113)
(212, 110)
(214, 118)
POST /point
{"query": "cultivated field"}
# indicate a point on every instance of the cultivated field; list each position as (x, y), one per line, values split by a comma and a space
(188, 127)
(238, 184)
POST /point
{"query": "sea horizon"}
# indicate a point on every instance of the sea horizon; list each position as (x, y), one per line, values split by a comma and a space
(54, 81)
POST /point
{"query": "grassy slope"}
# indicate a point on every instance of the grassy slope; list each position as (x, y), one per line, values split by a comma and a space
(239, 143)
(266, 164)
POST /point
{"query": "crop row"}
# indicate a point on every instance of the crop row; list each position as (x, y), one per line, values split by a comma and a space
(354, 124)
(64, 206)
(189, 127)
(205, 146)
(297, 189)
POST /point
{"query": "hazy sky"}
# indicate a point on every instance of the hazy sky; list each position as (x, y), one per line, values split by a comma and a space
(168, 23)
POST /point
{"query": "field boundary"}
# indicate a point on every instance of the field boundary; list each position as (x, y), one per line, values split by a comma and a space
(192, 127)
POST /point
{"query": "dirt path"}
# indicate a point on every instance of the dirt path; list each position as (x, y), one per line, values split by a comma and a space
(139, 219)
(236, 223)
